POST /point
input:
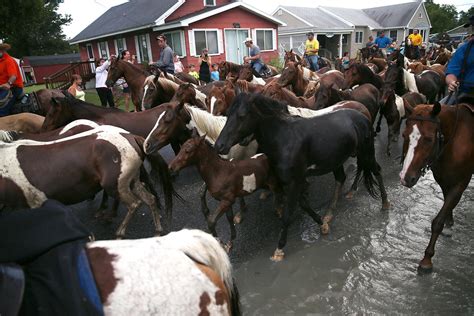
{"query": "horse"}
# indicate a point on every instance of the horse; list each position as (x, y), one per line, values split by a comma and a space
(303, 146)
(360, 74)
(291, 56)
(157, 90)
(395, 109)
(226, 180)
(367, 53)
(398, 79)
(277, 92)
(293, 76)
(23, 122)
(249, 74)
(219, 100)
(77, 167)
(227, 68)
(439, 137)
(187, 93)
(134, 76)
(381, 63)
(409, 51)
(66, 271)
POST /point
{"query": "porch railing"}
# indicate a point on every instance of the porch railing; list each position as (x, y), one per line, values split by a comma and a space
(62, 78)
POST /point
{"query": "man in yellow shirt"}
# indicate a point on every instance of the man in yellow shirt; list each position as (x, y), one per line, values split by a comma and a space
(416, 40)
(311, 51)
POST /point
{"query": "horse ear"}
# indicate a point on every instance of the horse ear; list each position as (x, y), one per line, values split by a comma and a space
(436, 109)
(408, 108)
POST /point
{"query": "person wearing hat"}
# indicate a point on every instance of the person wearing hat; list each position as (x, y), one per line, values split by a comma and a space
(254, 58)
(166, 61)
(311, 51)
(460, 71)
(10, 78)
(416, 41)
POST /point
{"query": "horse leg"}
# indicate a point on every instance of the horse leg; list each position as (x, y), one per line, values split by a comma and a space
(243, 209)
(383, 193)
(111, 208)
(452, 195)
(230, 219)
(132, 203)
(293, 190)
(141, 192)
(340, 177)
(102, 207)
(304, 203)
(202, 194)
(223, 206)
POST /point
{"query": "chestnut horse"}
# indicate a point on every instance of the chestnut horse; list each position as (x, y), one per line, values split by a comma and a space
(226, 180)
(77, 167)
(134, 76)
(439, 137)
(358, 74)
(219, 100)
(23, 122)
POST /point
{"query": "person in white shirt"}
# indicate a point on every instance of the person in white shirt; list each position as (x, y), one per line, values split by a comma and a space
(105, 93)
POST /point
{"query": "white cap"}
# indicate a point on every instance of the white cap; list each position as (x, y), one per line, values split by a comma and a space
(248, 39)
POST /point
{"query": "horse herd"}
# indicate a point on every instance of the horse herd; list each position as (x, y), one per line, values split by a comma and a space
(244, 133)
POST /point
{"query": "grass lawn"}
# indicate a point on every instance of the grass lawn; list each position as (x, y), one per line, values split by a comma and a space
(91, 96)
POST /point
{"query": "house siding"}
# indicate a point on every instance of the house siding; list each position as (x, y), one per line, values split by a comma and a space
(420, 23)
(290, 21)
(191, 6)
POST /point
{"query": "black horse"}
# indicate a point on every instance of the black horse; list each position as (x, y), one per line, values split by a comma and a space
(297, 147)
(428, 83)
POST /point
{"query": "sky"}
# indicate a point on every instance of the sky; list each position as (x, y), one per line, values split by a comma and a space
(84, 12)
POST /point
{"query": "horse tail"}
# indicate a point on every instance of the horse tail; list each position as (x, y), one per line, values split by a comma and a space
(205, 249)
(160, 173)
(367, 164)
(9, 136)
(379, 122)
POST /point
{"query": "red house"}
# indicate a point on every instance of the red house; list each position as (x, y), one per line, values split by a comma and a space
(189, 25)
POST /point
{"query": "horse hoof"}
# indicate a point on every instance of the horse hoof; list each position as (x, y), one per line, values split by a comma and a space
(238, 218)
(327, 219)
(228, 246)
(278, 255)
(425, 266)
(119, 237)
(350, 195)
(386, 205)
(324, 229)
(447, 231)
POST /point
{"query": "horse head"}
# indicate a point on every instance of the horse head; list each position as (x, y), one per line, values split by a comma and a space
(150, 90)
(189, 151)
(59, 113)
(115, 72)
(289, 74)
(422, 141)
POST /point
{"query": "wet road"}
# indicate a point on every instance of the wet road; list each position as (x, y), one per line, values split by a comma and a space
(367, 264)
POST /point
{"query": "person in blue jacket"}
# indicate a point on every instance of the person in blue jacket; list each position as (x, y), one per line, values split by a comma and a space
(383, 43)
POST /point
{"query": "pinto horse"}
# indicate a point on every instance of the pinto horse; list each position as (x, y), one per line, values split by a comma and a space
(134, 76)
(439, 137)
(77, 167)
(157, 90)
(303, 146)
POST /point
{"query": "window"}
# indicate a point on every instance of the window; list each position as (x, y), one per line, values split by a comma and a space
(280, 12)
(175, 41)
(120, 45)
(143, 48)
(210, 3)
(420, 16)
(206, 39)
(103, 50)
(393, 35)
(265, 39)
(358, 37)
(90, 52)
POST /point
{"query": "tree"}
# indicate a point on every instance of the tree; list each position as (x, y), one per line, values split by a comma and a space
(33, 27)
(465, 15)
(443, 17)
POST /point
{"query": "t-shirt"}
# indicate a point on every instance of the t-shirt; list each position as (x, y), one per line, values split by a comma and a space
(415, 39)
(8, 68)
(194, 74)
(255, 50)
(166, 59)
(314, 44)
(383, 42)
(214, 76)
(456, 63)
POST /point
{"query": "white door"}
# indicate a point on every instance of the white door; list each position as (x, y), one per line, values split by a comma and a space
(235, 49)
(90, 55)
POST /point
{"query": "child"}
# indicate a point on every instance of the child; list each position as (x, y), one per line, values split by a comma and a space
(345, 61)
(193, 72)
(178, 65)
(215, 73)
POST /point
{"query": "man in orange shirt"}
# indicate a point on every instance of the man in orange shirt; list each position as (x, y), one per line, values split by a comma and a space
(10, 78)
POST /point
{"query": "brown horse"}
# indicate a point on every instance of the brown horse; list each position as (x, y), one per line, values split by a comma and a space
(219, 100)
(439, 137)
(227, 68)
(291, 56)
(360, 74)
(23, 122)
(77, 167)
(292, 76)
(226, 180)
(381, 63)
(277, 92)
(134, 76)
(157, 90)
(187, 93)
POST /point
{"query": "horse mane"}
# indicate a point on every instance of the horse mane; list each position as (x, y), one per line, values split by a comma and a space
(266, 107)
(134, 67)
(84, 108)
(206, 123)
(232, 67)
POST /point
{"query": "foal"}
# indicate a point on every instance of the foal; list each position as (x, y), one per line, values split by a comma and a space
(226, 180)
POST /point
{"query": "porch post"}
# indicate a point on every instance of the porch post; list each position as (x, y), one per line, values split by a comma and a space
(291, 42)
(340, 45)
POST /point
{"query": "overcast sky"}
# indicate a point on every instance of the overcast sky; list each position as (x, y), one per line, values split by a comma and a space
(86, 11)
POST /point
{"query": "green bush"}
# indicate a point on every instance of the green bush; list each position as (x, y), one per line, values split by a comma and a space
(277, 63)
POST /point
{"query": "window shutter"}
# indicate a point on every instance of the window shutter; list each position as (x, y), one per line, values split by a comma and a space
(220, 42)
(192, 47)
(182, 38)
(148, 44)
(137, 49)
(254, 36)
(274, 47)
